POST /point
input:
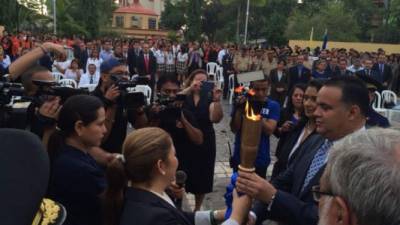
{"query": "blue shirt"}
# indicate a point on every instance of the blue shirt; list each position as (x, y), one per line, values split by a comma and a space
(270, 110)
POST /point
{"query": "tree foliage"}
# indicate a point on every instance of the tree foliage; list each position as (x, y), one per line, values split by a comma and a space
(342, 25)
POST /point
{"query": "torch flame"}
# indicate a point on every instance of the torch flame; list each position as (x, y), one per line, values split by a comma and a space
(251, 92)
(239, 89)
(250, 113)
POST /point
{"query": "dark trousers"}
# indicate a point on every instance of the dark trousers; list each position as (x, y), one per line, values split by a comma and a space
(226, 85)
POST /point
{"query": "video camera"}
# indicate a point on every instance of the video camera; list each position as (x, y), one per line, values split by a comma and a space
(8, 90)
(51, 88)
(130, 100)
(170, 108)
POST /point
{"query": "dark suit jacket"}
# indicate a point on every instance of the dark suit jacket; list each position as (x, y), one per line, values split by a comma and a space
(141, 66)
(292, 205)
(133, 55)
(276, 83)
(338, 73)
(372, 73)
(145, 208)
(294, 77)
(386, 76)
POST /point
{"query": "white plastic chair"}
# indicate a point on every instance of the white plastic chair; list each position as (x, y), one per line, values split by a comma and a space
(377, 104)
(146, 90)
(220, 76)
(231, 88)
(389, 96)
(68, 83)
(212, 70)
(57, 76)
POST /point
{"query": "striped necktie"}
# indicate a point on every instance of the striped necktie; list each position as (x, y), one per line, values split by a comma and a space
(318, 161)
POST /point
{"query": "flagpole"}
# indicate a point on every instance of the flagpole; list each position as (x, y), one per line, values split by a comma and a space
(247, 22)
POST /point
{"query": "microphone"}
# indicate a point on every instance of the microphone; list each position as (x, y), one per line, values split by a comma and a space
(180, 178)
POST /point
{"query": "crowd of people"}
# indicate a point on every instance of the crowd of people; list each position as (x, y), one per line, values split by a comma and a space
(318, 103)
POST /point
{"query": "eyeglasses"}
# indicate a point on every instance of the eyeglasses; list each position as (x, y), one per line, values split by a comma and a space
(317, 193)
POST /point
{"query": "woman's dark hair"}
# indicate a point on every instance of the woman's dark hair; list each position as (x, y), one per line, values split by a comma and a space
(317, 84)
(289, 110)
(75, 61)
(141, 150)
(193, 75)
(282, 61)
(77, 108)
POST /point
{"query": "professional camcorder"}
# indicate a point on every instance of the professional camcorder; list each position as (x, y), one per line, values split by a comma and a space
(170, 108)
(130, 100)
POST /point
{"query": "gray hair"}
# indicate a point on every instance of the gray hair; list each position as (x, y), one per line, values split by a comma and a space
(364, 169)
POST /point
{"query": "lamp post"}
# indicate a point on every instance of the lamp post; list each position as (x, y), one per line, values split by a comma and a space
(247, 22)
(54, 18)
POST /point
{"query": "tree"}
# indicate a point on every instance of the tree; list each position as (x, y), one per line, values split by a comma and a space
(194, 13)
(242, 7)
(333, 18)
(173, 16)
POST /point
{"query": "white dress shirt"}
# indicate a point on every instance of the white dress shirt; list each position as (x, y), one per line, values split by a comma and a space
(85, 79)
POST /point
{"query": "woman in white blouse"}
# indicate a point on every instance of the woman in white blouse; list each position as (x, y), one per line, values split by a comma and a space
(74, 72)
(94, 59)
(61, 63)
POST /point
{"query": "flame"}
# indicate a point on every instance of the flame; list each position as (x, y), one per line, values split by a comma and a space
(239, 89)
(251, 92)
(250, 113)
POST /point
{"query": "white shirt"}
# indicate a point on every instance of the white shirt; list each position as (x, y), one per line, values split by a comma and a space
(221, 54)
(94, 61)
(170, 58)
(69, 74)
(280, 74)
(85, 79)
(183, 57)
(6, 61)
(160, 56)
(353, 69)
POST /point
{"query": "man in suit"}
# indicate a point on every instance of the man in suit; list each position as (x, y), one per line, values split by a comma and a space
(133, 55)
(341, 69)
(385, 71)
(341, 111)
(299, 73)
(369, 71)
(279, 83)
(227, 64)
(146, 66)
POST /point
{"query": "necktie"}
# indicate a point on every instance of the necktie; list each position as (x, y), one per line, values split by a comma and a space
(318, 161)
(91, 79)
(146, 63)
(382, 68)
(300, 69)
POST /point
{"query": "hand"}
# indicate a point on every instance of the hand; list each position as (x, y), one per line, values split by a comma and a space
(148, 76)
(255, 186)
(112, 93)
(217, 94)
(287, 126)
(50, 108)
(55, 48)
(240, 207)
(195, 86)
(176, 191)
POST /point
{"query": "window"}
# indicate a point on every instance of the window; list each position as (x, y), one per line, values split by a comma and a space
(119, 21)
(152, 24)
(136, 22)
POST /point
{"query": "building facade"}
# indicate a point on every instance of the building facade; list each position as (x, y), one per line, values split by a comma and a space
(138, 18)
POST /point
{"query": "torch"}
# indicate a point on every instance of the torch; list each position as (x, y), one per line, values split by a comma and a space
(250, 135)
(250, 138)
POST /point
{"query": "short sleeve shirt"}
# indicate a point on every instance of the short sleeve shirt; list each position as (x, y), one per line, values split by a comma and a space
(271, 111)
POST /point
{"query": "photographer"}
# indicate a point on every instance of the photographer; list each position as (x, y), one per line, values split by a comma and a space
(116, 113)
(270, 114)
(203, 100)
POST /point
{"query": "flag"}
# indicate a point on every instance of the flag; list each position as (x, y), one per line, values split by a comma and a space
(311, 37)
(325, 39)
